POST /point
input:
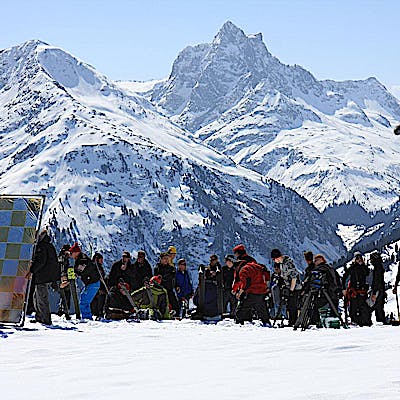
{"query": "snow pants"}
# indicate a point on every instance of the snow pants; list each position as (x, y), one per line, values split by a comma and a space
(41, 303)
(252, 302)
(359, 311)
(87, 295)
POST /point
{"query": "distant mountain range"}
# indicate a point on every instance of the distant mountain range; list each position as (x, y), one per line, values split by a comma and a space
(119, 175)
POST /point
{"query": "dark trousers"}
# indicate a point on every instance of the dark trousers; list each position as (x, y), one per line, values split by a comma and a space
(97, 304)
(41, 303)
(379, 308)
(252, 302)
(230, 299)
(173, 301)
(67, 293)
(292, 307)
(359, 311)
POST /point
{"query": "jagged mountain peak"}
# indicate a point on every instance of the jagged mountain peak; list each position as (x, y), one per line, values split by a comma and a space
(229, 32)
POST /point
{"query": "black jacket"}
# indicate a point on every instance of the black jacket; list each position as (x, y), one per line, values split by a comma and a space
(141, 272)
(86, 269)
(117, 273)
(378, 277)
(358, 276)
(45, 267)
(228, 276)
(167, 273)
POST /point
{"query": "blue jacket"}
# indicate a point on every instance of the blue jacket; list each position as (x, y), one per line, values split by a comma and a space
(183, 282)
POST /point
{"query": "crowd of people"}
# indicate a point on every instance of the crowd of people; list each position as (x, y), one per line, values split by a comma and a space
(240, 288)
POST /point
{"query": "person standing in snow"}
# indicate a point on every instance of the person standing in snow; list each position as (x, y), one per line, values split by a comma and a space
(171, 254)
(167, 272)
(378, 287)
(276, 285)
(44, 269)
(242, 258)
(86, 270)
(292, 287)
(97, 305)
(356, 276)
(141, 271)
(212, 267)
(228, 276)
(183, 283)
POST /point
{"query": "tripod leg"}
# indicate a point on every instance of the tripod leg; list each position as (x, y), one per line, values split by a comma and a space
(303, 312)
(278, 313)
(309, 312)
(335, 311)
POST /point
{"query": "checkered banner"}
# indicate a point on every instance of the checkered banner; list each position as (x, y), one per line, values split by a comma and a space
(20, 218)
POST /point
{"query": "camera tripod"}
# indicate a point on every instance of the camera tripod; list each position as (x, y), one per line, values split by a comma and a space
(308, 308)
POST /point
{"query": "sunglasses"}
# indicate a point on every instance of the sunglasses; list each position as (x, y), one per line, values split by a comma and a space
(182, 263)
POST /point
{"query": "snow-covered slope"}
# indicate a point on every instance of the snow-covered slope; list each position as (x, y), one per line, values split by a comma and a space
(330, 141)
(118, 175)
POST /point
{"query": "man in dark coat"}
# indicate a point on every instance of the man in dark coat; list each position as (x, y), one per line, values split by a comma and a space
(45, 269)
(97, 304)
(378, 286)
(167, 272)
(356, 291)
(228, 276)
(87, 271)
(141, 271)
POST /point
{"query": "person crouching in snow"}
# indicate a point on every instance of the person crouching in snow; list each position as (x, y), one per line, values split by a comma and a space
(86, 270)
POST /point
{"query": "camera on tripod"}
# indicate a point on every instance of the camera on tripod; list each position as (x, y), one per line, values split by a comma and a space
(317, 281)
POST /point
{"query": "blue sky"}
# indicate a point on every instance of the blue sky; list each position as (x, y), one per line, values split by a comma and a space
(139, 40)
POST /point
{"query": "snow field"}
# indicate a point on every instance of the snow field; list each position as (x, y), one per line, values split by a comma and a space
(190, 360)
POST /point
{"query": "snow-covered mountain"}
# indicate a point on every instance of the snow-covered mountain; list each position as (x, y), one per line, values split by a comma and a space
(332, 142)
(118, 175)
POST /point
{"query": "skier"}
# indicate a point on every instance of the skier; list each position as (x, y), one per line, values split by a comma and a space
(356, 291)
(97, 305)
(44, 270)
(141, 271)
(167, 272)
(117, 305)
(378, 286)
(291, 277)
(396, 283)
(228, 275)
(86, 270)
(183, 284)
(251, 294)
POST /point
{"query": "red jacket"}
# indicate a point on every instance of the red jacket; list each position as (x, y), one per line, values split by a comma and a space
(240, 263)
(253, 278)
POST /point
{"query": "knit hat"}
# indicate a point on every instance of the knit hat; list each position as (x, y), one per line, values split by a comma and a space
(75, 248)
(275, 253)
(357, 254)
(239, 249)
